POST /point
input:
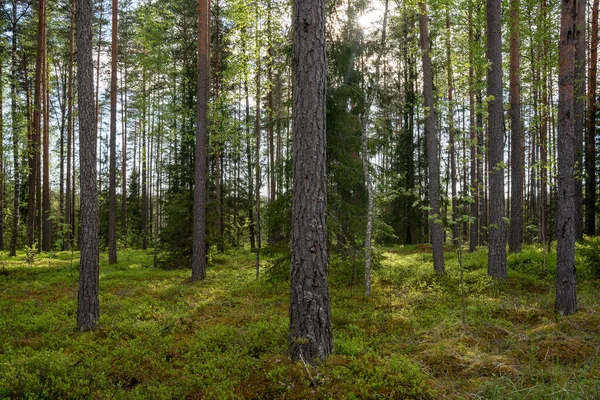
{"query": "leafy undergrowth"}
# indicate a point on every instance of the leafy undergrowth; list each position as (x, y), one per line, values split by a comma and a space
(162, 337)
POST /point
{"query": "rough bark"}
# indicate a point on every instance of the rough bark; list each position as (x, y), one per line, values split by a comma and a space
(88, 311)
(579, 110)
(199, 228)
(497, 228)
(566, 298)
(515, 237)
(112, 179)
(435, 219)
(311, 337)
(590, 137)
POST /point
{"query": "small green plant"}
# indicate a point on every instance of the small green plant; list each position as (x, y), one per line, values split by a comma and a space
(3, 271)
(30, 254)
(589, 249)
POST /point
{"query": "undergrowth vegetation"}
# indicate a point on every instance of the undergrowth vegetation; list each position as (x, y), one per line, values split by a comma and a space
(163, 337)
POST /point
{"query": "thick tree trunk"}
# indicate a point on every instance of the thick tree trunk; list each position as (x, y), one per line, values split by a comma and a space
(112, 183)
(199, 229)
(566, 298)
(435, 220)
(515, 237)
(310, 333)
(497, 228)
(579, 110)
(590, 137)
(88, 311)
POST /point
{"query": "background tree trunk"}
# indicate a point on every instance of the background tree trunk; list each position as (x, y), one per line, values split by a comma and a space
(144, 162)
(497, 229)
(364, 125)
(474, 230)
(34, 148)
(435, 220)
(70, 131)
(579, 109)
(15, 135)
(199, 234)
(451, 132)
(218, 137)
(590, 137)
(515, 237)
(46, 220)
(124, 153)
(112, 184)
(270, 112)
(2, 177)
(250, 177)
(257, 128)
(542, 231)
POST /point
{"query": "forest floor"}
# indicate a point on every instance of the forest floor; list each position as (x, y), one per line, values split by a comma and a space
(162, 336)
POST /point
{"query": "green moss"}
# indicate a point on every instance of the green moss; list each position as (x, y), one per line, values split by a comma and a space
(163, 337)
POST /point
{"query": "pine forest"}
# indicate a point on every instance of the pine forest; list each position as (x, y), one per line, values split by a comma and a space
(299, 199)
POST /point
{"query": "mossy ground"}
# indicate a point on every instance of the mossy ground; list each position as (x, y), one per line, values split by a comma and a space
(161, 336)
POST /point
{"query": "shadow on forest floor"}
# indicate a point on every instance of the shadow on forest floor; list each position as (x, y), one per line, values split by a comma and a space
(161, 336)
